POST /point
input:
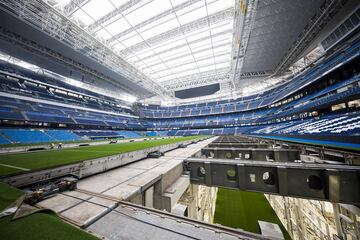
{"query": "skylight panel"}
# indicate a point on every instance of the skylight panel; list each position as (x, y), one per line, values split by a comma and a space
(167, 42)
(83, 17)
(183, 67)
(207, 68)
(179, 61)
(222, 65)
(103, 34)
(146, 26)
(118, 26)
(118, 3)
(170, 45)
(132, 41)
(186, 73)
(201, 54)
(189, 8)
(146, 54)
(147, 11)
(153, 60)
(206, 62)
(222, 49)
(177, 2)
(160, 29)
(98, 8)
(201, 43)
(222, 28)
(222, 37)
(166, 78)
(192, 16)
(119, 47)
(222, 58)
(219, 6)
(171, 53)
(164, 73)
(200, 35)
(158, 68)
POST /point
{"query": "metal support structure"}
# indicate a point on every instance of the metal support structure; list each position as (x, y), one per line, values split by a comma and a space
(244, 22)
(46, 18)
(204, 78)
(329, 182)
(337, 218)
(147, 22)
(117, 12)
(217, 17)
(253, 153)
(71, 7)
(327, 11)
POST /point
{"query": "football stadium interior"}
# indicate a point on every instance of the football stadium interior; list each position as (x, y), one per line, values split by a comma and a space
(179, 119)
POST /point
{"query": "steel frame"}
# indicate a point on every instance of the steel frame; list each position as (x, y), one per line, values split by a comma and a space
(47, 19)
(327, 11)
(330, 182)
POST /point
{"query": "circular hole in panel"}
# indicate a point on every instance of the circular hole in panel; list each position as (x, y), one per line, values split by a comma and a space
(201, 171)
(314, 182)
(231, 174)
(268, 178)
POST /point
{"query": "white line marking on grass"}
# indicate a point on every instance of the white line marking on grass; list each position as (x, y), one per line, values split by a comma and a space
(11, 166)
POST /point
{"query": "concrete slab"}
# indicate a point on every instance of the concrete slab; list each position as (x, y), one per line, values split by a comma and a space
(146, 164)
(84, 212)
(89, 210)
(145, 179)
(172, 194)
(105, 181)
(122, 191)
(132, 224)
(59, 203)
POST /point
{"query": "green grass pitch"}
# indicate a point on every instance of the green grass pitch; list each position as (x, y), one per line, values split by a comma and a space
(52, 158)
(240, 209)
(36, 226)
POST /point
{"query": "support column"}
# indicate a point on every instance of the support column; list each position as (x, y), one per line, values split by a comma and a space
(337, 218)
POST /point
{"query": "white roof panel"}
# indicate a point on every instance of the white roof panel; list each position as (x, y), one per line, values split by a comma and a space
(188, 47)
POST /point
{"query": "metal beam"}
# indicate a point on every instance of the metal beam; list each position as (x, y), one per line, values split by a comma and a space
(112, 14)
(184, 55)
(195, 80)
(254, 154)
(46, 18)
(186, 28)
(246, 22)
(329, 182)
(149, 21)
(184, 45)
(189, 62)
(73, 5)
(311, 31)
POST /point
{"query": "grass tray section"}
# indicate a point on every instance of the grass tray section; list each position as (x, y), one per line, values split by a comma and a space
(20, 162)
(240, 209)
(7, 145)
(36, 226)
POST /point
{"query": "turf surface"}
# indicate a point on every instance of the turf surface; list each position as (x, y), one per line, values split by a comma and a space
(68, 142)
(36, 226)
(240, 209)
(52, 158)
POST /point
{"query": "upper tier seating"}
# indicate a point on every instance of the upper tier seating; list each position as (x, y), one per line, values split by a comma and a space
(267, 98)
(16, 109)
(332, 125)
